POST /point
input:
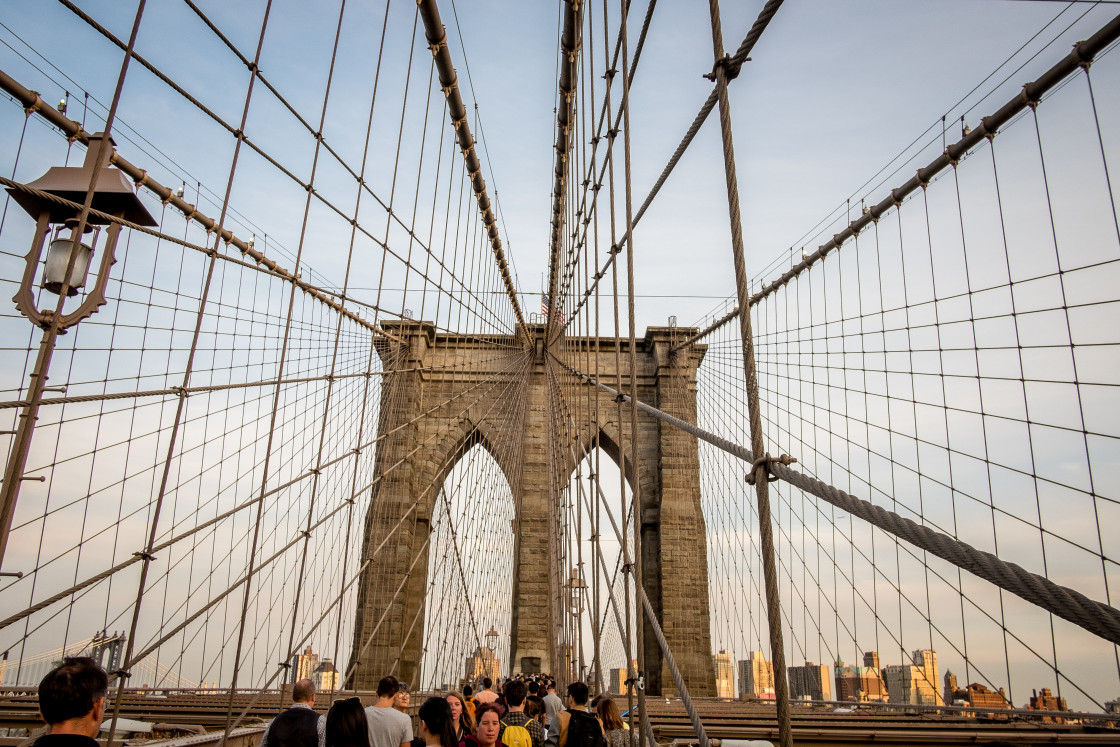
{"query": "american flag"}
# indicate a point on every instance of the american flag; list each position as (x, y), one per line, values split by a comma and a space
(545, 307)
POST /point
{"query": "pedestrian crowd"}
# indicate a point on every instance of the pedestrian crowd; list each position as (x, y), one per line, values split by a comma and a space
(525, 712)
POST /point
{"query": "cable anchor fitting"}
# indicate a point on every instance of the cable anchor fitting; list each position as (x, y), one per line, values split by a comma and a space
(765, 461)
(730, 69)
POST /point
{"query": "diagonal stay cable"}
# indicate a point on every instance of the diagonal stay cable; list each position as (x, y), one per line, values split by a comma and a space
(1096, 617)
(1031, 94)
(733, 66)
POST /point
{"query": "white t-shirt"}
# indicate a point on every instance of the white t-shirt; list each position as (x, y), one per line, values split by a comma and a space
(388, 727)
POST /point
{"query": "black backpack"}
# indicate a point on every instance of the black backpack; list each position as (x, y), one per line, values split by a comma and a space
(584, 730)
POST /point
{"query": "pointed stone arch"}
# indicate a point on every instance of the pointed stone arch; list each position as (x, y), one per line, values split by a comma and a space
(422, 450)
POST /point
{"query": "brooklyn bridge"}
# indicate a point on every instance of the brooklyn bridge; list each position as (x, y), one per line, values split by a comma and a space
(757, 365)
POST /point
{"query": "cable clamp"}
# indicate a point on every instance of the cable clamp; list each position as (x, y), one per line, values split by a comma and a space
(180, 391)
(306, 534)
(766, 461)
(123, 674)
(29, 110)
(284, 665)
(621, 398)
(730, 70)
(144, 555)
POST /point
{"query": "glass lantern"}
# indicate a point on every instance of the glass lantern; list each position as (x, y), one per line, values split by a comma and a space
(58, 257)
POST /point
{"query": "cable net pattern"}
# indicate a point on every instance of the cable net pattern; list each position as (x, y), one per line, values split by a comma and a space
(313, 432)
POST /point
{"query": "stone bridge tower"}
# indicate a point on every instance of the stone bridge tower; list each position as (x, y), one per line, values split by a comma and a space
(427, 427)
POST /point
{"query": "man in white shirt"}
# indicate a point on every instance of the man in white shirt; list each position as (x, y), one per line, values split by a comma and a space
(388, 727)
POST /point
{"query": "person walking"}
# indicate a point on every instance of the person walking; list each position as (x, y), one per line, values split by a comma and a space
(514, 692)
(299, 726)
(486, 694)
(388, 727)
(489, 725)
(461, 719)
(575, 727)
(72, 703)
(436, 727)
(401, 701)
(614, 728)
(552, 704)
(347, 725)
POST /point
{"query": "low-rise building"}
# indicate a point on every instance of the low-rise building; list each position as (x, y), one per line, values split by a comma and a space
(810, 682)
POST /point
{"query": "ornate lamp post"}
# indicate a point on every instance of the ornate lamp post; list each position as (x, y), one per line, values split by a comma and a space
(576, 587)
(64, 274)
(491, 642)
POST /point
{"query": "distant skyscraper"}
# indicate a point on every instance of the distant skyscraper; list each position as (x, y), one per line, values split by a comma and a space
(810, 681)
(950, 693)
(756, 676)
(860, 684)
(915, 683)
(483, 663)
(303, 665)
(725, 682)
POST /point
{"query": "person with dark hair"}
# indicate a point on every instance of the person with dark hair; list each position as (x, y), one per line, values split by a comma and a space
(575, 727)
(468, 698)
(347, 725)
(486, 695)
(72, 703)
(614, 729)
(299, 726)
(388, 727)
(534, 688)
(436, 727)
(534, 709)
(516, 717)
(401, 702)
(489, 725)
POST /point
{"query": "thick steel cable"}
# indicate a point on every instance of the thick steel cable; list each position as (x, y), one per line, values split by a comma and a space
(239, 132)
(356, 657)
(33, 103)
(758, 475)
(1083, 54)
(1096, 617)
(137, 557)
(571, 40)
(733, 66)
(437, 41)
(651, 616)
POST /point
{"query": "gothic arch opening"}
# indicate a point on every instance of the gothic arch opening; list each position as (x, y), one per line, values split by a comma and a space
(595, 494)
(470, 570)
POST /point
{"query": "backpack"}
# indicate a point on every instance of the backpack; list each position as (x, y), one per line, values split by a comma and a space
(514, 735)
(584, 730)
